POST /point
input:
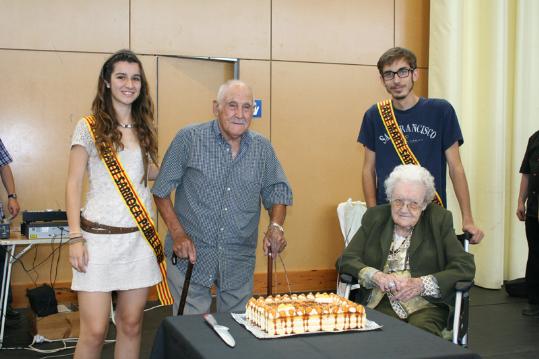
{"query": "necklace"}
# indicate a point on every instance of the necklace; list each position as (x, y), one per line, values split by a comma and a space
(409, 229)
(398, 249)
(129, 125)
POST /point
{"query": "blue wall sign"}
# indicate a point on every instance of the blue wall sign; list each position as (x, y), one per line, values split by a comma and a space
(257, 112)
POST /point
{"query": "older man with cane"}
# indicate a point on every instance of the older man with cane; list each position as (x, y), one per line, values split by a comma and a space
(221, 172)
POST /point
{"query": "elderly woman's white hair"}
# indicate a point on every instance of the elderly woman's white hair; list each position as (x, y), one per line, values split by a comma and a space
(411, 173)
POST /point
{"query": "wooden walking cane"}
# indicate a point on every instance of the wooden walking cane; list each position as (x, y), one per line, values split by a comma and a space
(186, 282)
(270, 273)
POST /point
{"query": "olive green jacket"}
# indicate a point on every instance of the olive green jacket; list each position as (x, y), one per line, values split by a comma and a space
(434, 249)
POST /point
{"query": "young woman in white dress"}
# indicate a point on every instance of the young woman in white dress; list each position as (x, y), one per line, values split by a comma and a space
(107, 252)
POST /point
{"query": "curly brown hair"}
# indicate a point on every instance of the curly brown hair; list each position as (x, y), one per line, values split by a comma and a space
(142, 111)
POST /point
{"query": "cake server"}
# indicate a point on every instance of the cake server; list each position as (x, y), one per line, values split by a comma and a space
(221, 330)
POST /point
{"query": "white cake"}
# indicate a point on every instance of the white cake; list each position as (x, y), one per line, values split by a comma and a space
(297, 314)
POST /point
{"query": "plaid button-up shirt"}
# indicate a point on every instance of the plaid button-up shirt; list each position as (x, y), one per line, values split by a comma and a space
(218, 199)
(5, 158)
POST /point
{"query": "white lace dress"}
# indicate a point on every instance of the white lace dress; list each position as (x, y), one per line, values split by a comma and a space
(116, 261)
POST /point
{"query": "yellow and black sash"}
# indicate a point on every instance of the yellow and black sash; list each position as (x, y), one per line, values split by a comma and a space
(405, 153)
(137, 210)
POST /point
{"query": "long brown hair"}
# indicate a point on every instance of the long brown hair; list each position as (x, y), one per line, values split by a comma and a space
(142, 112)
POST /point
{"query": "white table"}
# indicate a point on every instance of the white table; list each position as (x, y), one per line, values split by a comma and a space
(11, 257)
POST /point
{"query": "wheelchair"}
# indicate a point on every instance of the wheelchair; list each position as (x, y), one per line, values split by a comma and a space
(350, 214)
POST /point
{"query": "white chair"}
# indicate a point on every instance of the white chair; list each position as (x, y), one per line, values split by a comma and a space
(350, 214)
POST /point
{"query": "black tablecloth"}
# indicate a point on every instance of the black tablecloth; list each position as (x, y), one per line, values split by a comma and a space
(191, 337)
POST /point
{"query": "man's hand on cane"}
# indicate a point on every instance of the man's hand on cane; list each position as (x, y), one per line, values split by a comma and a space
(183, 247)
(274, 241)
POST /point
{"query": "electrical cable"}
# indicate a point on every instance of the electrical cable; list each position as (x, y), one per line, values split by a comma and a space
(28, 271)
(155, 307)
(53, 282)
(38, 339)
(285, 273)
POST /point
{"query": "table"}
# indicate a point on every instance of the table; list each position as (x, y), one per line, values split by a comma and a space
(10, 245)
(191, 337)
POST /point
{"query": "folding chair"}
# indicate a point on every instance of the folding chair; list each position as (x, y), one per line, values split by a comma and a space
(350, 214)
(462, 301)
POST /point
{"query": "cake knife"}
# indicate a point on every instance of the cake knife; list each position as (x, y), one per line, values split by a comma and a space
(221, 330)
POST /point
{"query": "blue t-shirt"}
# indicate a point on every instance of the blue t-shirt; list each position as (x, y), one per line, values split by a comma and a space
(430, 127)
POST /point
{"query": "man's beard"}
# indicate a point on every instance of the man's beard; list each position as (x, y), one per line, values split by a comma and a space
(402, 97)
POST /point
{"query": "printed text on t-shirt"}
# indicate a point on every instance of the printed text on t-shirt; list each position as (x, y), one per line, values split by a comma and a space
(423, 130)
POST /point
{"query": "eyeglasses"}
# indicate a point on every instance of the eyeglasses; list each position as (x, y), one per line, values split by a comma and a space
(402, 73)
(412, 205)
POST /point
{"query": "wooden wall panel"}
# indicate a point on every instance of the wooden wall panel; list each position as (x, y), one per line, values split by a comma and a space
(150, 69)
(43, 95)
(316, 115)
(258, 75)
(235, 28)
(39, 111)
(341, 31)
(186, 91)
(412, 28)
(76, 25)
(322, 280)
(421, 87)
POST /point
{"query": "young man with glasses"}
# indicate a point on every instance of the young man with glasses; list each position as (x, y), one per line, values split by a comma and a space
(413, 130)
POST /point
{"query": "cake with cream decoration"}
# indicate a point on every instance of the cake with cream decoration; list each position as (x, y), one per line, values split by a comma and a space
(300, 313)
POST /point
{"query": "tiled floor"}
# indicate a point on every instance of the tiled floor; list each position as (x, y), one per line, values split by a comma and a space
(497, 330)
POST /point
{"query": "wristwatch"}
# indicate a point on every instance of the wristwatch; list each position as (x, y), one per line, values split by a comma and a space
(12, 195)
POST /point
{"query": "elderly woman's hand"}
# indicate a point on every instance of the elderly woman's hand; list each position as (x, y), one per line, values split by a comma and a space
(386, 282)
(408, 288)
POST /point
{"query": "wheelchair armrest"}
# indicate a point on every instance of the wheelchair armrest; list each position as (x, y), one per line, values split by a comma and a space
(347, 278)
(463, 285)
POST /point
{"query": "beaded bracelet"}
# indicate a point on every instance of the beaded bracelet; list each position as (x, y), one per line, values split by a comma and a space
(77, 240)
(277, 225)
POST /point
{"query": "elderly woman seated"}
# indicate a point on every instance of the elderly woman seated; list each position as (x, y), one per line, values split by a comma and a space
(406, 254)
